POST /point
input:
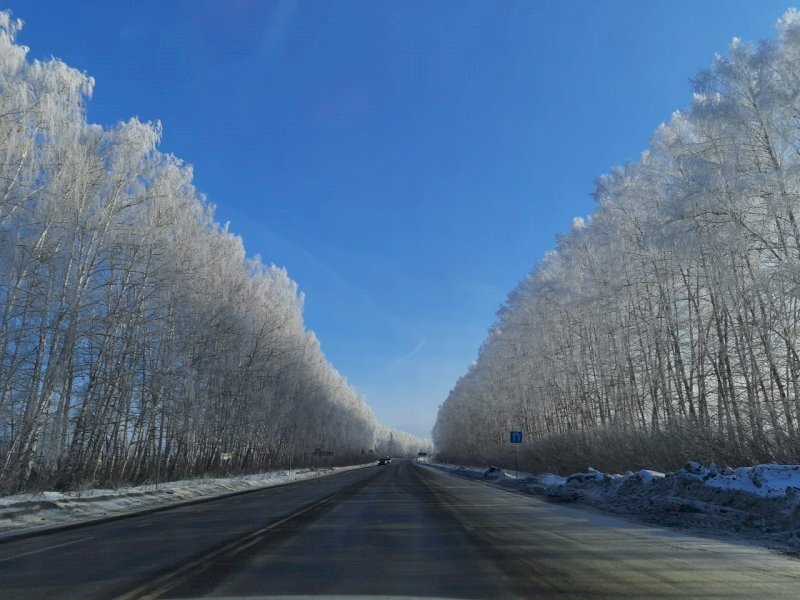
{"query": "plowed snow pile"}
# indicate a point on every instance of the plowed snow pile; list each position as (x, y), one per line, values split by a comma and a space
(760, 502)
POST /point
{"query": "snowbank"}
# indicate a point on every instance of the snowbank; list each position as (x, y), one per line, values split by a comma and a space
(761, 502)
(763, 480)
(24, 511)
(590, 475)
(551, 479)
(495, 473)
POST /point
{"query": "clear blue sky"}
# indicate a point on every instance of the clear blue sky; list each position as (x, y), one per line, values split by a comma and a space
(407, 162)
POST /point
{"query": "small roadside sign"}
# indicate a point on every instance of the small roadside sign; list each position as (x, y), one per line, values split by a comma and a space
(516, 437)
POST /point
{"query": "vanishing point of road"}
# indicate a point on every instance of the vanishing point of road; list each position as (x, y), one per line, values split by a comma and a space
(402, 530)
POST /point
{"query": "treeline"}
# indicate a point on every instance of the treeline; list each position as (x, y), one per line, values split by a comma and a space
(137, 341)
(666, 325)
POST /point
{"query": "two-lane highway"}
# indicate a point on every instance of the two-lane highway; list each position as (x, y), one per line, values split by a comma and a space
(401, 531)
(390, 538)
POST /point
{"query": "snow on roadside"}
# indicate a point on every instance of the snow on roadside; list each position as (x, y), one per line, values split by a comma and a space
(24, 511)
(551, 479)
(761, 502)
(763, 480)
(520, 481)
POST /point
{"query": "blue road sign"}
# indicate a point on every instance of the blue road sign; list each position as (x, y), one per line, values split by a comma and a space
(516, 437)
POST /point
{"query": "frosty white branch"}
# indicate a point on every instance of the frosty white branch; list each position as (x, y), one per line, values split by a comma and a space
(665, 327)
(137, 341)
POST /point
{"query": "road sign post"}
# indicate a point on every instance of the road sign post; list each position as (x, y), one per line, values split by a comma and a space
(515, 437)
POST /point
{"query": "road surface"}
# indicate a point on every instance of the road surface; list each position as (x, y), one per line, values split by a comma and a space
(395, 531)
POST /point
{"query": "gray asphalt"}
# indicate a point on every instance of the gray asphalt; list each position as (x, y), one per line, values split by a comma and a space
(396, 531)
(106, 560)
(391, 537)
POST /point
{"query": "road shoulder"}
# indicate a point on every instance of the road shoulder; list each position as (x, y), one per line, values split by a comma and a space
(42, 514)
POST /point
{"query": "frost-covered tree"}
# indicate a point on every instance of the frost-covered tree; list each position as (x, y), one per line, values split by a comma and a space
(666, 325)
(137, 340)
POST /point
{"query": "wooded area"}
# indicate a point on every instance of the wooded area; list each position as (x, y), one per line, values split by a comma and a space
(137, 341)
(664, 327)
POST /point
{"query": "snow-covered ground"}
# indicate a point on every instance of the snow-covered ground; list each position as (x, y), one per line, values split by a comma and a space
(25, 511)
(759, 502)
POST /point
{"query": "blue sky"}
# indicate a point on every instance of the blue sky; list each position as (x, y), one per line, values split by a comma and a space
(407, 162)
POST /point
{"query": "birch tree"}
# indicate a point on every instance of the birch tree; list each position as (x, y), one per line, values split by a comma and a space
(665, 326)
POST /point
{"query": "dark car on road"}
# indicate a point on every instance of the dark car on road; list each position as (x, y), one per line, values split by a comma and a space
(385, 460)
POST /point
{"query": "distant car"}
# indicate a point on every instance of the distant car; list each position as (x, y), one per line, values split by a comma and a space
(385, 460)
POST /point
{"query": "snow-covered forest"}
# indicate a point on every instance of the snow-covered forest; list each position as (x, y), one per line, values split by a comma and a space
(137, 340)
(666, 325)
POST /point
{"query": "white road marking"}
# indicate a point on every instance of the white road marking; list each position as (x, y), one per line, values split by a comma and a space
(83, 539)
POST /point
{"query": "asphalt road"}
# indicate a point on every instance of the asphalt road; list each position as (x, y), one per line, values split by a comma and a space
(109, 559)
(396, 531)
